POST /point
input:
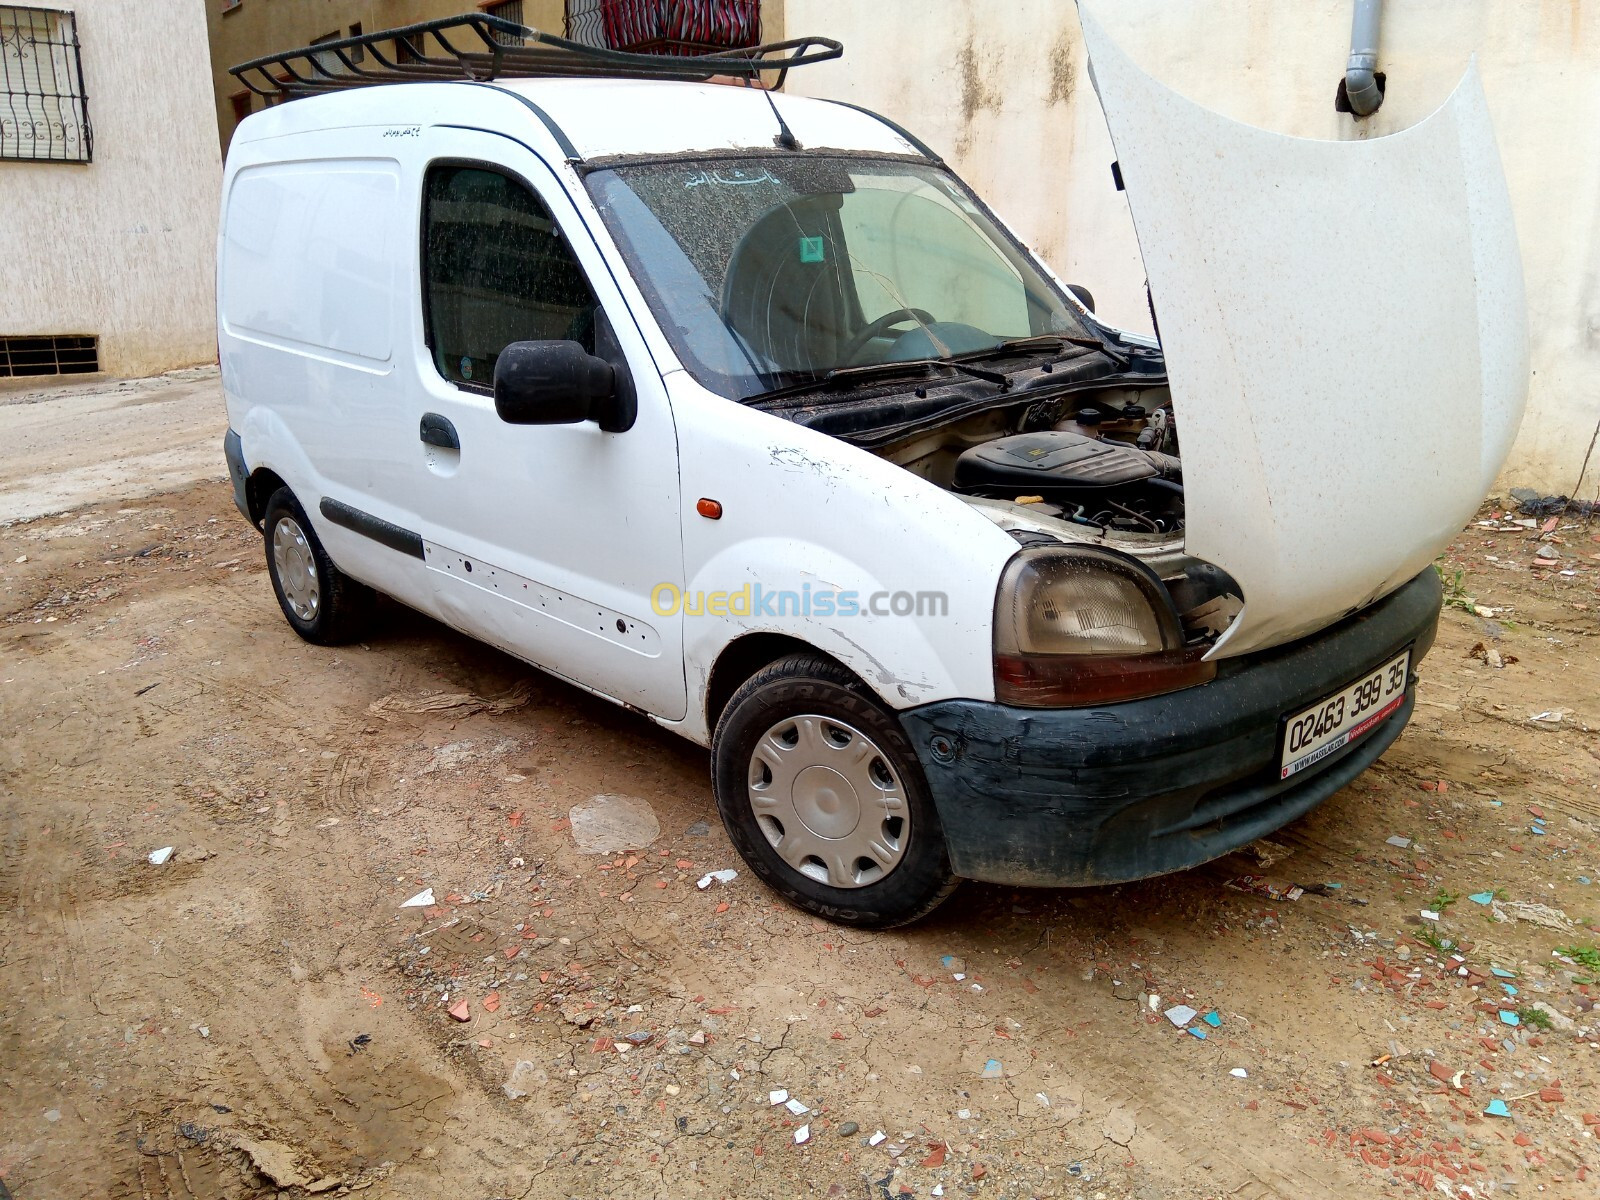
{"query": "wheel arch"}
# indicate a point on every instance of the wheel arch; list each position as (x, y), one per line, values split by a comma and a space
(259, 488)
(746, 655)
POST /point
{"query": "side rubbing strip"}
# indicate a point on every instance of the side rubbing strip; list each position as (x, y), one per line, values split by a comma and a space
(376, 528)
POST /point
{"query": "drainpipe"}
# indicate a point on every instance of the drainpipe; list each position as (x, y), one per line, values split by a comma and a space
(1362, 89)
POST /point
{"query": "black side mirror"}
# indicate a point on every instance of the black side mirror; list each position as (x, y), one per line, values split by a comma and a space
(560, 383)
(1084, 295)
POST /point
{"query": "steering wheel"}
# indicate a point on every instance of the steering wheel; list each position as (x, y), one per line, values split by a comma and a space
(897, 316)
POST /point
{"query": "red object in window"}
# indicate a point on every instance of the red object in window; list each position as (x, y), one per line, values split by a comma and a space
(680, 26)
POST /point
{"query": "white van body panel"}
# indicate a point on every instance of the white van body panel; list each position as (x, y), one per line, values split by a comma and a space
(1345, 332)
(311, 259)
(806, 513)
(310, 300)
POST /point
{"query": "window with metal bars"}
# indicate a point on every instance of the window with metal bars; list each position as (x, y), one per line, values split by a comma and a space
(53, 354)
(664, 26)
(330, 61)
(583, 25)
(44, 112)
(327, 60)
(508, 10)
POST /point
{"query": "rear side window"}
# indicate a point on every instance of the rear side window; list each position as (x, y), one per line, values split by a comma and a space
(496, 270)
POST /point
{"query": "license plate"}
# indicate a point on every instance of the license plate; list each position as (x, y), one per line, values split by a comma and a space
(1330, 724)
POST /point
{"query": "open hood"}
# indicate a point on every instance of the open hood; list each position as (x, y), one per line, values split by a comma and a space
(1345, 331)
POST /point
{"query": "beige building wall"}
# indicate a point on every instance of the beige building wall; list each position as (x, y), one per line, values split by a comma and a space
(123, 246)
(1000, 87)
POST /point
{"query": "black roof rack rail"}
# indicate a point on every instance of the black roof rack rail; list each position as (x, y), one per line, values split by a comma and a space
(480, 47)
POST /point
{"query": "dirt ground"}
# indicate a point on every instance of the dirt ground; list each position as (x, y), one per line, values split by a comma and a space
(260, 1016)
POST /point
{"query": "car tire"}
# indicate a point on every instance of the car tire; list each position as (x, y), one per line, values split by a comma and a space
(824, 799)
(321, 603)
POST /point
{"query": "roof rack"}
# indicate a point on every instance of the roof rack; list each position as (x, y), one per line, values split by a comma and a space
(480, 47)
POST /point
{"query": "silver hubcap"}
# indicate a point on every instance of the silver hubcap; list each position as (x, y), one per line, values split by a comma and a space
(828, 801)
(296, 568)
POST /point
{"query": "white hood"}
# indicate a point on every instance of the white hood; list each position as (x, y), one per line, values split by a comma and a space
(1346, 334)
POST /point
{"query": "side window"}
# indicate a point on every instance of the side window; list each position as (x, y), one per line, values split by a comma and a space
(496, 270)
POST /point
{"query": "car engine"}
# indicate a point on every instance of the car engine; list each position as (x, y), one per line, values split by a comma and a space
(1075, 476)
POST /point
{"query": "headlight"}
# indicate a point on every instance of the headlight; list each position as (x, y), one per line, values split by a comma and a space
(1081, 625)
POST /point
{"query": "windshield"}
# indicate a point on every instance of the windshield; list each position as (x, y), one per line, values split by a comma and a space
(769, 272)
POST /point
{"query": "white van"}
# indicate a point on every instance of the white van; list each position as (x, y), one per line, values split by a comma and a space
(741, 410)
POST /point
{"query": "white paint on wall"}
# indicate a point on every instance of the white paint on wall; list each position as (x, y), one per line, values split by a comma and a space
(124, 246)
(1002, 90)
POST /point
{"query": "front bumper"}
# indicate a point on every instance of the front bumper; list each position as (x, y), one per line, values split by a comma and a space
(1059, 797)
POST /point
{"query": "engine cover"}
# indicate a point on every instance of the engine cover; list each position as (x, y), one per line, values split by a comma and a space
(1103, 482)
(1054, 459)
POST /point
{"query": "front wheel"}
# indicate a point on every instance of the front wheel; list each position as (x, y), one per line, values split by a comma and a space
(824, 799)
(321, 603)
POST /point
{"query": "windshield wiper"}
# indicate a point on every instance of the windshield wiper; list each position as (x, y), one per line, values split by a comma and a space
(1047, 341)
(843, 376)
(1037, 341)
(966, 364)
(1094, 343)
(885, 368)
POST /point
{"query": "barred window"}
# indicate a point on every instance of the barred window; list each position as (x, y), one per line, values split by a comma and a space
(583, 25)
(327, 60)
(52, 354)
(509, 10)
(44, 113)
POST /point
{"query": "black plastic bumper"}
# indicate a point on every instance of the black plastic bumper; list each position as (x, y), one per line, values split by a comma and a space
(1059, 797)
(233, 451)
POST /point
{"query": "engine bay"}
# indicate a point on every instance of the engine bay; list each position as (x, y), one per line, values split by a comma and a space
(1106, 460)
(1060, 454)
(1097, 465)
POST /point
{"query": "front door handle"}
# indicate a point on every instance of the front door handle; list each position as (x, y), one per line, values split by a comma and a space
(438, 431)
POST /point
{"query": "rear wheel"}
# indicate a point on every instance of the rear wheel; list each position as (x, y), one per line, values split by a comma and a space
(321, 603)
(824, 799)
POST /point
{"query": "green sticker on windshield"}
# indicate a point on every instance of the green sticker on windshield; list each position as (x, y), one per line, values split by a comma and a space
(810, 249)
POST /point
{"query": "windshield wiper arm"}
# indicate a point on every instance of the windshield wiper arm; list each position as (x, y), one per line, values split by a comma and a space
(1047, 341)
(840, 376)
(1094, 343)
(999, 378)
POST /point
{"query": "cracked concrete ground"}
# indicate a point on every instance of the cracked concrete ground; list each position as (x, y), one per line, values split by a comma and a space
(259, 1016)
